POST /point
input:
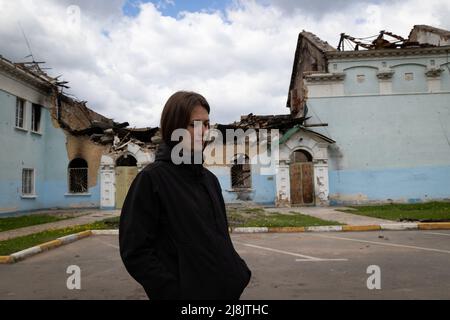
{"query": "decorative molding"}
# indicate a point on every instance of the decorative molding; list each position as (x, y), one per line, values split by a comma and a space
(320, 161)
(386, 53)
(325, 77)
(433, 72)
(385, 74)
(107, 167)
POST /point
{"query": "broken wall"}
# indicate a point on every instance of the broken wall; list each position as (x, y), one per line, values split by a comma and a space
(309, 57)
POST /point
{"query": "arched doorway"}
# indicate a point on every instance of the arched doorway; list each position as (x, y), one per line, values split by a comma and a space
(301, 171)
(126, 171)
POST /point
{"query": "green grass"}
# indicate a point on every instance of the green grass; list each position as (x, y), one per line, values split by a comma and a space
(10, 246)
(424, 212)
(11, 223)
(253, 217)
(260, 218)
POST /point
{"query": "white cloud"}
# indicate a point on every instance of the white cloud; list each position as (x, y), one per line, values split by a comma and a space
(241, 59)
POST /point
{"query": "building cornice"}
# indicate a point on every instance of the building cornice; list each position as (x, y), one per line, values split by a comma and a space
(433, 72)
(336, 55)
(325, 77)
(385, 74)
(14, 72)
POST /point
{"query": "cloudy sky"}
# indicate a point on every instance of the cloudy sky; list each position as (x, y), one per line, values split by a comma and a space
(126, 57)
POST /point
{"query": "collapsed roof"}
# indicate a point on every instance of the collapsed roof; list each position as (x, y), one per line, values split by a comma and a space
(312, 54)
(72, 115)
(421, 36)
(283, 122)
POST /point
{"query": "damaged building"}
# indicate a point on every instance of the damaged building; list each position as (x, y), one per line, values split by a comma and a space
(57, 152)
(385, 103)
(291, 178)
(367, 122)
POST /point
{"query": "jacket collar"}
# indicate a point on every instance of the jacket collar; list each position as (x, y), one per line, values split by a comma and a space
(164, 154)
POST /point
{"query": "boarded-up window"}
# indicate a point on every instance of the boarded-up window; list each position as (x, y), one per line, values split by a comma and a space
(27, 182)
(20, 112)
(241, 174)
(78, 176)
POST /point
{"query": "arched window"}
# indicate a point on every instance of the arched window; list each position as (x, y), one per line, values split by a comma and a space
(78, 176)
(241, 173)
(126, 161)
(301, 156)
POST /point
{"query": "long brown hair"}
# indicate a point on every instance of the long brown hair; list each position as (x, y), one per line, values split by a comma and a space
(177, 112)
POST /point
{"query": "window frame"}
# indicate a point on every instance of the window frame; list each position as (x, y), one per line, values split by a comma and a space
(69, 178)
(20, 102)
(31, 181)
(243, 168)
(35, 106)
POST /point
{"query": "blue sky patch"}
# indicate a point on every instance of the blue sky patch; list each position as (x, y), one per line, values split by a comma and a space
(174, 7)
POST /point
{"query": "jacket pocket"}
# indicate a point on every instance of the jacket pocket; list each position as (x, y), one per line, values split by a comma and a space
(199, 273)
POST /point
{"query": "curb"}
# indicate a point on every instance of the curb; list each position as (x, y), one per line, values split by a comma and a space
(345, 228)
(434, 226)
(22, 255)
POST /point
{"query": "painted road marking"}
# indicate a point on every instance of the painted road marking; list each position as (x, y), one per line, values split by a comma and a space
(441, 234)
(106, 243)
(319, 260)
(384, 244)
(305, 258)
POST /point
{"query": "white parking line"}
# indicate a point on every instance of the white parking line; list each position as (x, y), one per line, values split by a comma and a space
(305, 258)
(441, 234)
(319, 260)
(385, 244)
(106, 243)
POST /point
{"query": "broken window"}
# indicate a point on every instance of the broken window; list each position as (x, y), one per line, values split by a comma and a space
(20, 112)
(78, 176)
(126, 161)
(27, 182)
(36, 118)
(241, 173)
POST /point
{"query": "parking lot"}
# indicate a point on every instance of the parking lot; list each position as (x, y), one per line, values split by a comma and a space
(334, 265)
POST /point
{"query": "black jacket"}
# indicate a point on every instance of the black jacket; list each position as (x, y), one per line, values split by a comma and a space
(174, 236)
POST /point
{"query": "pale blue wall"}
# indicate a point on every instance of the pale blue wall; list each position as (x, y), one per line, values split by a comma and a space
(369, 85)
(418, 84)
(406, 184)
(388, 147)
(45, 153)
(263, 186)
(445, 77)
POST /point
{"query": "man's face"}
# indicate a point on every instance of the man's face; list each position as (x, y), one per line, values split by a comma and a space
(198, 127)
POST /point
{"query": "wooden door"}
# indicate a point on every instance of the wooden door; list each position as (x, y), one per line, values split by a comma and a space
(302, 183)
(124, 178)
